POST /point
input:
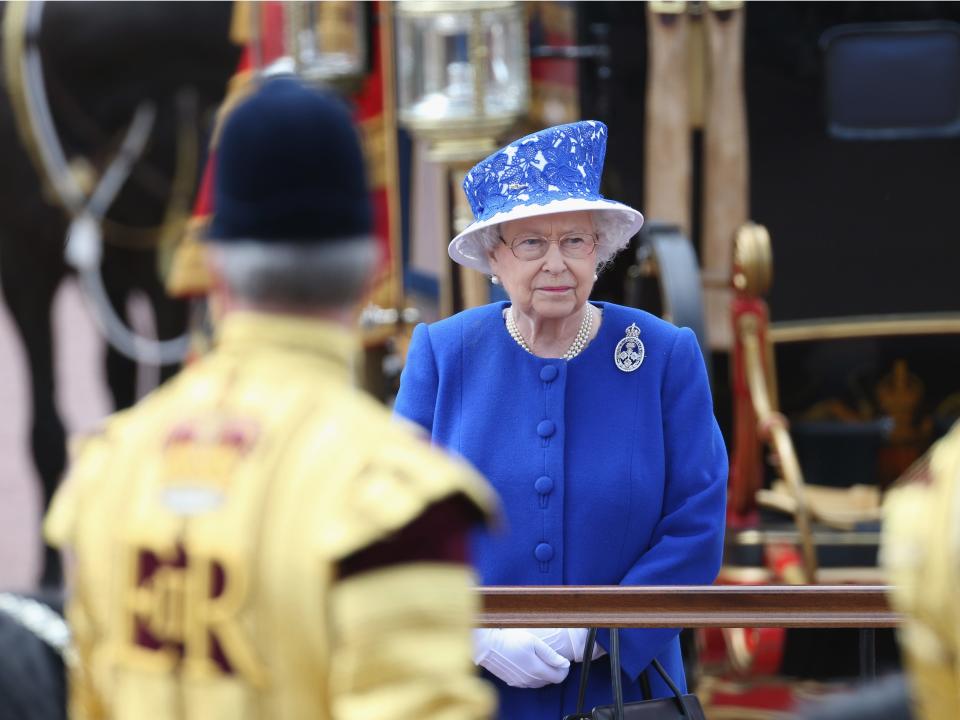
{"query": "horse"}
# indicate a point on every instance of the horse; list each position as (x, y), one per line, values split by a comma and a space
(34, 643)
(101, 62)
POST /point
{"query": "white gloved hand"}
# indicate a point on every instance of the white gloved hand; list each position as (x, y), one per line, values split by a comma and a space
(568, 642)
(518, 657)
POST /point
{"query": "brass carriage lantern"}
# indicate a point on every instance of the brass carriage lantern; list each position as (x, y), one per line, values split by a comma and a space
(463, 81)
(327, 42)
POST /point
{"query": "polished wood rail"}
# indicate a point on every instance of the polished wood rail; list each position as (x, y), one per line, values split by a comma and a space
(807, 606)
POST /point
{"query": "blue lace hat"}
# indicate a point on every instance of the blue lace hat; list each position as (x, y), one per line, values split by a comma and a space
(554, 170)
(290, 168)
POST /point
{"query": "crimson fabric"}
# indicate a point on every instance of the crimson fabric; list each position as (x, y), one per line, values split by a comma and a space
(440, 534)
(605, 477)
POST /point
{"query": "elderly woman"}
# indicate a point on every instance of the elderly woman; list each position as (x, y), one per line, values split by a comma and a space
(593, 421)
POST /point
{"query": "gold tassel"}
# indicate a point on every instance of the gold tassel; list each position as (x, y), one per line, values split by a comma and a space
(239, 88)
(189, 275)
(240, 22)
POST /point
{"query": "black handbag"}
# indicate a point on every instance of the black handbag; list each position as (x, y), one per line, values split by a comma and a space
(679, 707)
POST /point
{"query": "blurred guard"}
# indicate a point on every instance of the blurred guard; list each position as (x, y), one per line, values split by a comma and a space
(257, 539)
(921, 550)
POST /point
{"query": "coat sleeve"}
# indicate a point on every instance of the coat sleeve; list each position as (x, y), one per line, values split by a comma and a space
(417, 398)
(400, 624)
(687, 543)
(84, 483)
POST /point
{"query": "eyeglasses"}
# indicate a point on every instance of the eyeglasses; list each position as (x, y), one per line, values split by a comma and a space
(533, 247)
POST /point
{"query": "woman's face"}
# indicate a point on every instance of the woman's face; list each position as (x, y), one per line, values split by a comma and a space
(555, 285)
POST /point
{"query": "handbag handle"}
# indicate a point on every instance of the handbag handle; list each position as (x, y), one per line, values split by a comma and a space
(585, 669)
(615, 679)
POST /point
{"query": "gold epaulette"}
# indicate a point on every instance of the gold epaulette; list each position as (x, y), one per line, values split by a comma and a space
(77, 443)
(239, 88)
(87, 453)
(241, 20)
(394, 487)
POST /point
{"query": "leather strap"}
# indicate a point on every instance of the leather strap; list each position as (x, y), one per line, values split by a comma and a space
(616, 680)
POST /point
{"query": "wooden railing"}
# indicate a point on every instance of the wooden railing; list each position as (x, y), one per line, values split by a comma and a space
(806, 606)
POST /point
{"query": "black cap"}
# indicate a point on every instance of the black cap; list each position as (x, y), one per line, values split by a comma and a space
(290, 168)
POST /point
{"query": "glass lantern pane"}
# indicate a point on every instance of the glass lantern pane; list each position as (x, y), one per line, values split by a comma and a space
(462, 65)
(506, 71)
(330, 42)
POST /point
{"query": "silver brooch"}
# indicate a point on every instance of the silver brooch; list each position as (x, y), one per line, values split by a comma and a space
(629, 353)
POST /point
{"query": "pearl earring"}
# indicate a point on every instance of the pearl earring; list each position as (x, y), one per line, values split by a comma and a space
(594, 277)
(494, 279)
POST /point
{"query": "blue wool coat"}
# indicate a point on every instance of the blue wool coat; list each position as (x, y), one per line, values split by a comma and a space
(606, 477)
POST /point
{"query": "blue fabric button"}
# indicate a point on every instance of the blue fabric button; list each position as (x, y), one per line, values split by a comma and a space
(546, 428)
(548, 373)
(543, 485)
(544, 552)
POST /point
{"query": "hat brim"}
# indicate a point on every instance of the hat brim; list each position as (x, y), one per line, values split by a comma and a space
(616, 222)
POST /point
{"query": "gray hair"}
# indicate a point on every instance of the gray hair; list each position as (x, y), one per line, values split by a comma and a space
(295, 274)
(607, 247)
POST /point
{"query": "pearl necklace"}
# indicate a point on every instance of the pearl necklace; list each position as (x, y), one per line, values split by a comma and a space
(576, 347)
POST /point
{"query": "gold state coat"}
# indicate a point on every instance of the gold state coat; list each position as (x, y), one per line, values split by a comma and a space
(921, 551)
(207, 525)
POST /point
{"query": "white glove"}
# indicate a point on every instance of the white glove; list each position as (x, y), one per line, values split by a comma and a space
(568, 642)
(518, 657)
